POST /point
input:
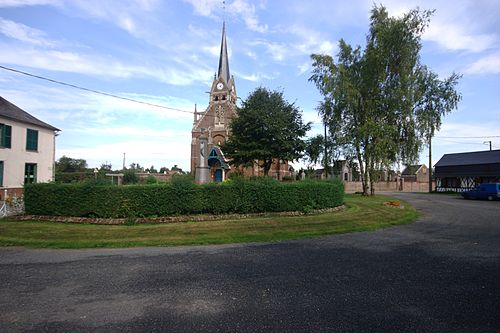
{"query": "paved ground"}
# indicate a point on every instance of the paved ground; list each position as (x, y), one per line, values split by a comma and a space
(440, 274)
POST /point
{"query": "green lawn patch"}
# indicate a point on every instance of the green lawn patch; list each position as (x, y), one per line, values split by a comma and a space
(361, 214)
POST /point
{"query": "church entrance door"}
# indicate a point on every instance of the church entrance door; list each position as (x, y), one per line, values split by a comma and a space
(218, 175)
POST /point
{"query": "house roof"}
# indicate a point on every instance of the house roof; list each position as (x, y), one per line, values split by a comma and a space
(411, 170)
(470, 158)
(9, 110)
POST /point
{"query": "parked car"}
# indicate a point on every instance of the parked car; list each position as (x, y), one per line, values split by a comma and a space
(484, 191)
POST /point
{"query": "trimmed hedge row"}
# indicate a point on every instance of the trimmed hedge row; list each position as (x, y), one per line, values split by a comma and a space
(239, 196)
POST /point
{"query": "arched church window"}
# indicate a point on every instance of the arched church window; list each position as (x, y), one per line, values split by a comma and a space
(223, 97)
(216, 98)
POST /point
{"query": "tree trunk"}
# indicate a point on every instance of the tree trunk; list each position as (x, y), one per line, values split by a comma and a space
(362, 170)
(267, 167)
(372, 179)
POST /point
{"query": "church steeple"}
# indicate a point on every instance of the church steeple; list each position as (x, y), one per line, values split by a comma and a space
(223, 71)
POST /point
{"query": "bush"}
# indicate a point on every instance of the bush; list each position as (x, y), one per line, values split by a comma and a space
(181, 196)
(150, 179)
(130, 177)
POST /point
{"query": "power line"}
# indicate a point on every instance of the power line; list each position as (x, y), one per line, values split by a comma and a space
(464, 143)
(93, 90)
(467, 137)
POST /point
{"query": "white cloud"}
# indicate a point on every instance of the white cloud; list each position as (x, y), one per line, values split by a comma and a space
(128, 131)
(25, 3)
(255, 77)
(128, 24)
(24, 33)
(67, 61)
(304, 67)
(212, 50)
(204, 7)
(241, 8)
(489, 64)
(144, 152)
(69, 108)
(252, 55)
(277, 51)
(457, 37)
(248, 14)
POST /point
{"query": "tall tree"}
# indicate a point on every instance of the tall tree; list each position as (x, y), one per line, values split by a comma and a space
(68, 164)
(267, 127)
(314, 149)
(382, 100)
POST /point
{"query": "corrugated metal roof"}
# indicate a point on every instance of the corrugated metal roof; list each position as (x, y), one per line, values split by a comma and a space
(9, 110)
(471, 158)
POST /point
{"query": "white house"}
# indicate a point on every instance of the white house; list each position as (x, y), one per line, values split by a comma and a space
(27, 148)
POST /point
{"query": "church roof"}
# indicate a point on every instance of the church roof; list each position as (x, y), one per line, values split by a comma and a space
(223, 59)
(11, 111)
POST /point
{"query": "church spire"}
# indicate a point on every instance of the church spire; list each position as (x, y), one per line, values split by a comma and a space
(223, 60)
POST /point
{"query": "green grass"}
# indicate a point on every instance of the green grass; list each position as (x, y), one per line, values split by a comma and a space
(361, 214)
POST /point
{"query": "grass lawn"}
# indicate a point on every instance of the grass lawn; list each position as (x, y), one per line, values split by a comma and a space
(361, 214)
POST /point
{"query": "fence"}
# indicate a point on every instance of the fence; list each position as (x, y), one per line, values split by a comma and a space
(351, 187)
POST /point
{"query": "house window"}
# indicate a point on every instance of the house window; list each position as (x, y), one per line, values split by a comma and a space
(5, 136)
(30, 173)
(32, 140)
(1, 173)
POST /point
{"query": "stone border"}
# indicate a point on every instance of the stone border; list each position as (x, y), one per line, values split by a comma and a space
(164, 219)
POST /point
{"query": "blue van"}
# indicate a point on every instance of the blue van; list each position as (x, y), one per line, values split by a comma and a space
(484, 191)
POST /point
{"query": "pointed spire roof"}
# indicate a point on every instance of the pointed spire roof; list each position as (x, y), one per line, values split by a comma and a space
(223, 59)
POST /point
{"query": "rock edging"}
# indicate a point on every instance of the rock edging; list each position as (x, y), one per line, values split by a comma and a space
(164, 219)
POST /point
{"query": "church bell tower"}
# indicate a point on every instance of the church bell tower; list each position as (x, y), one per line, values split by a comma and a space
(215, 120)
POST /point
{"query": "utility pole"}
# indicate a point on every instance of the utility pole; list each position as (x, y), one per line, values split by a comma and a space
(487, 142)
(326, 150)
(123, 161)
(430, 164)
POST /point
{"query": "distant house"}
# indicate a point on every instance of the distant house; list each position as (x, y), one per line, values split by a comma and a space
(27, 148)
(463, 171)
(416, 173)
(341, 169)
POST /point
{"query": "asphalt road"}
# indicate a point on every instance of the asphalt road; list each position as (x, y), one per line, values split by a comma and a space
(439, 274)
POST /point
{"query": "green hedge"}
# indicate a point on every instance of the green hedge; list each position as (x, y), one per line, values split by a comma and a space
(237, 196)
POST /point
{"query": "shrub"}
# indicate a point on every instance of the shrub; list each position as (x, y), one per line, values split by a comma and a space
(181, 196)
(130, 177)
(150, 179)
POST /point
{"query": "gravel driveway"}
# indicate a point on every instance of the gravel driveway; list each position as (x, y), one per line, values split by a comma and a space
(439, 274)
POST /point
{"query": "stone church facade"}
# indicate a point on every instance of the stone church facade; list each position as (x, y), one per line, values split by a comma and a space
(214, 123)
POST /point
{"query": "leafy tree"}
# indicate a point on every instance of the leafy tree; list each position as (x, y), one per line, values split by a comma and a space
(136, 167)
(152, 169)
(176, 168)
(68, 164)
(130, 177)
(314, 149)
(163, 169)
(105, 167)
(382, 101)
(267, 127)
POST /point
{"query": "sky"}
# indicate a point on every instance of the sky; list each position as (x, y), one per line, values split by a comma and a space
(166, 52)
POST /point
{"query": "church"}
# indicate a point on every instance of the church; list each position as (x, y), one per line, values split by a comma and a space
(214, 125)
